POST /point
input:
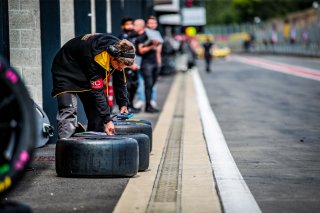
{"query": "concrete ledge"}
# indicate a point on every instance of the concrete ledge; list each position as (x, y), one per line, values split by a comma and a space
(196, 191)
(198, 185)
(137, 194)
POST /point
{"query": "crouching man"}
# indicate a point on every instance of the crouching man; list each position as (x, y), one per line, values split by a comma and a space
(79, 69)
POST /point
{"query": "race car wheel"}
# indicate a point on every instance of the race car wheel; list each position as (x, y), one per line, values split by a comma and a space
(17, 128)
(98, 157)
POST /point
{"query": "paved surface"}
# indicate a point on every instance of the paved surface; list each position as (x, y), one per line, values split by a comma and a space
(43, 191)
(180, 177)
(270, 121)
(271, 124)
(176, 180)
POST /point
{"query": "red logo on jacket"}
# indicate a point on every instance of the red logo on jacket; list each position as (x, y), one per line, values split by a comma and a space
(97, 84)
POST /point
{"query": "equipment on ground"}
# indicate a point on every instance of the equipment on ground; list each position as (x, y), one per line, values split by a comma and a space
(140, 121)
(142, 139)
(44, 129)
(97, 157)
(124, 116)
(134, 127)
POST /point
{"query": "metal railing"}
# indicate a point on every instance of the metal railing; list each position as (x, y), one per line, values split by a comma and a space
(261, 38)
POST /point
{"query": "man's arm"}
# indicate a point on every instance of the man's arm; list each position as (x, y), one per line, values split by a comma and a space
(158, 55)
(120, 88)
(142, 49)
(97, 90)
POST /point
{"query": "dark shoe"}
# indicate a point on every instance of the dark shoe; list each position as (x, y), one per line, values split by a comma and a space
(151, 109)
(134, 110)
(80, 128)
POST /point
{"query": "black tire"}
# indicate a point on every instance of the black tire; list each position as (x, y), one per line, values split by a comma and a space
(140, 121)
(13, 207)
(17, 128)
(99, 157)
(134, 127)
(143, 143)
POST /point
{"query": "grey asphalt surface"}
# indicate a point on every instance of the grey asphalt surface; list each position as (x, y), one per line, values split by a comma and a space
(43, 191)
(313, 63)
(271, 124)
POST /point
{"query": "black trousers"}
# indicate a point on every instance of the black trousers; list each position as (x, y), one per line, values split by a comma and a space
(132, 85)
(208, 59)
(67, 121)
(150, 75)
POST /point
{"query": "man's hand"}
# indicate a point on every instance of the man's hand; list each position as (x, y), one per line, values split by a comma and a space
(134, 67)
(124, 110)
(109, 128)
(156, 42)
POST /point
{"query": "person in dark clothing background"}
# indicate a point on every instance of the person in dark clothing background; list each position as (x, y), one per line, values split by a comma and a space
(207, 53)
(132, 72)
(79, 69)
(146, 48)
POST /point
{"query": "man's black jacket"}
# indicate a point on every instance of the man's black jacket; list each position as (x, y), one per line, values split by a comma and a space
(74, 68)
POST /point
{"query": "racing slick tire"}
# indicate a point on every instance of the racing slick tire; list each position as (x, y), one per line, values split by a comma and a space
(134, 127)
(140, 121)
(98, 157)
(143, 143)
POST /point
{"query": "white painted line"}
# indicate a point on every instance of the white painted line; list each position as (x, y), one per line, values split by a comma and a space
(234, 193)
(280, 67)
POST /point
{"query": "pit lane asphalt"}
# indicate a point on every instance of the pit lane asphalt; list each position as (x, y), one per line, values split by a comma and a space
(271, 124)
(176, 180)
(43, 191)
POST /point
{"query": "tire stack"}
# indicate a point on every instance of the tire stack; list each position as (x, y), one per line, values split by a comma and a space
(135, 126)
(92, 154)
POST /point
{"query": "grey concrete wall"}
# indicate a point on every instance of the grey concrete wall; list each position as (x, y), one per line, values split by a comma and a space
(25, 44)
(25, 38)
(67, 20)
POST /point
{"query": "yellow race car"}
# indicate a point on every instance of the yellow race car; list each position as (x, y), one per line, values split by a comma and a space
(216, 51)
(220, 52)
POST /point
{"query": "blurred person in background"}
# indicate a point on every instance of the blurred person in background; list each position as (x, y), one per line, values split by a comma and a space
(147, 49)
(286, 29)
(207, 46)
(305, 36)
(151, 25)
(274, 35)
(132, 72)
(293, 34)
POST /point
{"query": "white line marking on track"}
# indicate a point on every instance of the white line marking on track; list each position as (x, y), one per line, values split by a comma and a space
(280, 67)
(233, 191)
